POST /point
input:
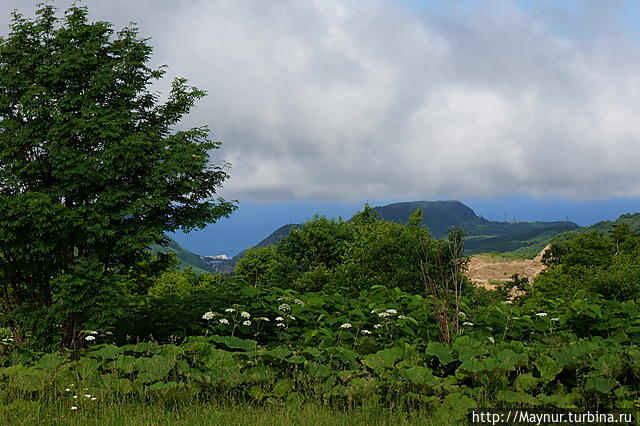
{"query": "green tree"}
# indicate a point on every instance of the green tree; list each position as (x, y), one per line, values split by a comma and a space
(92, 170)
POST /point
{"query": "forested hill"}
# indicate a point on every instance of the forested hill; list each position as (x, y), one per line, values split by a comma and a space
(482, 235)
(631, 219)
(273, 238)
(438, 216)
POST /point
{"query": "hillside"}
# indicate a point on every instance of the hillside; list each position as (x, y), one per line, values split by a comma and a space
(487, 269)
(273, 238)
(187, 259)
(524, 238)
(482, 235)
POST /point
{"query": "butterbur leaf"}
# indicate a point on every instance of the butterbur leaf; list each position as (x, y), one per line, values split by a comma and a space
(600, 384)
(383, 359)
(233, 342)
(105, 351)
(441, 351)
(419, 375)
(278, 353)
(282, 386)
(548, 368)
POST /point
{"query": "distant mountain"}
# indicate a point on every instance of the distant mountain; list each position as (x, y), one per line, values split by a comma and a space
(482, 235)
(438, 216)
(273, 238)
(187, 259)
(631, 219)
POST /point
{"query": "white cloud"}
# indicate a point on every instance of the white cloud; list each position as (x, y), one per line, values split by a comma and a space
(341, 99)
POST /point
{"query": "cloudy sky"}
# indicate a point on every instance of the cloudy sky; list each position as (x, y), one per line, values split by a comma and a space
(343, 101)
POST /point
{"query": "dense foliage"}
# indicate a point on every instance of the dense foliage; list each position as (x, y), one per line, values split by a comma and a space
(364, 312)
(91, 170)
(606, 264)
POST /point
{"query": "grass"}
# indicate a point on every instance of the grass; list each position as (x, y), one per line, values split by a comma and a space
(507, 256)
(22, 412)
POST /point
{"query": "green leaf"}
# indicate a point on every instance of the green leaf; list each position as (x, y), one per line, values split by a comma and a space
(233, 342)
(154, 369)
(278, 353)
(548, 368)
(600, 384)
(441, 351)
(282, 386)
(383, 359)
(105, 351)
(419, 375)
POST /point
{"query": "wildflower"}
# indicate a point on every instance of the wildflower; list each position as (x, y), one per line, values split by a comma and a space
(392, 311)
(345, 325)
(492, 340)
(229, 310)
(555, 319)
(279, 319)
(208, 316)
(223, 321)
(281, 324)
(75, 396)
(247, 323)
(245, 314)
(401, 317)
(93, 398)
(298, 302)
(74, 407)
(87, 396)
(67, 390)
(93, 332)
(467, 323)
(383, 314)
(108, 333)
(284, 307)
(508, 302)
(365, 332)
(541, 314)
(90, 338)
(377, 326)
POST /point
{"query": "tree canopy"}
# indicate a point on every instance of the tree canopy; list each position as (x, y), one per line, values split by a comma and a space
(92, 168)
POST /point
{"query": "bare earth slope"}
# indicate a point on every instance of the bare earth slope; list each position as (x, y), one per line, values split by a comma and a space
(485, 269)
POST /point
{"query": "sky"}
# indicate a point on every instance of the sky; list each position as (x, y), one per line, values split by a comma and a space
(527, 109)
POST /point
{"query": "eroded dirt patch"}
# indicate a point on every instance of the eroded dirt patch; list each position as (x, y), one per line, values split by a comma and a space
(485, 269)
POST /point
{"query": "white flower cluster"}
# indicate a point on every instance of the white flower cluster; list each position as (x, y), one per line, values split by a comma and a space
(284, 307)
(245, 314)
(229, 310)
(223, 321)
(541, 314)
(365, 332)
(208, 316)
(345, 325)
(90, 338)
(247, 323)
(298, 302)
(470, 324)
